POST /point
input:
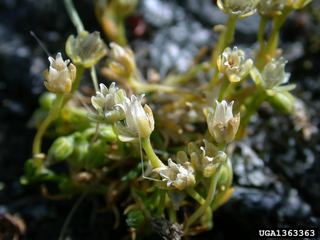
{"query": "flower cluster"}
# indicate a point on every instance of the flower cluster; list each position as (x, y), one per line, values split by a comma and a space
(131, 120)
(206, 159)
(178, 175)
(107, 103)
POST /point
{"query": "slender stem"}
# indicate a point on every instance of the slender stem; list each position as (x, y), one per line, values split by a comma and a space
(94, 78)
(162, 202)
(154, 160)
(172, 214)
(195, 195)
(262, 28)
(225, 38)
(202, 209)
(252, 107)
(53, 114)
(224, 85)
(269, 50)
(70, 215)
(74, 16)
(76, 83)
(186, 77)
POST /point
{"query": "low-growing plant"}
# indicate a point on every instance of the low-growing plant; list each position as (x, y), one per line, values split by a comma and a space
(161, 148)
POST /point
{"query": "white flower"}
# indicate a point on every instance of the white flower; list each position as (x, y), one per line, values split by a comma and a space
(271, 7)
(222, 125)
(177, 175)
(274, 75)
(234, 64)
(86, 48)
(60, 76)
(240, 8)
(106, 102)
(139, 122)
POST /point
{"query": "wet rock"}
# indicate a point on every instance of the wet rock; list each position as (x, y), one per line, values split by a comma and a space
(178, 39)
(250, 169)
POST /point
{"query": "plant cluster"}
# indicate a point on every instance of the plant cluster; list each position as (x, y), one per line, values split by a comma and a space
(168, 161)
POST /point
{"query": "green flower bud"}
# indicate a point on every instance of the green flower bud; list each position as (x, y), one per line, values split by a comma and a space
(297, 4)
(240, 8)
(86, 49)
(222, 124)
(135, 218)
(233, 64)
(61, 148)
(80, 152)
(60, 76)
(123, 8)
(47, 99)
(282, 101)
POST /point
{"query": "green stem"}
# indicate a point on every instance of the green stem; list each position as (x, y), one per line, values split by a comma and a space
(94, 78)
(203, 208)
(226, 38)
(262, 27)
(53, 115)
(186, 77)
(195, 195)
(224, 85)
(269, 50)
(154, 160)
(162, 203)
(76, 83)
(74, 16)
(252, 107)
(122, 39)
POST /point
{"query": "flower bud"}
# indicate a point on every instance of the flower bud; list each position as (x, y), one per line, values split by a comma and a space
(240, 8)
(122, 63)
(271, 8)
(297, 4)
(282, 101)
(86, 49)
(139, 122)
(222, 125)
(61, 148)
(177, 175)
(123, 8)
(274, 75)
(60, 76)
(234, 64)
(47, 99)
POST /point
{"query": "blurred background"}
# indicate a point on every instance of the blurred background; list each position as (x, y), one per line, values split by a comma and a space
(277, 169)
